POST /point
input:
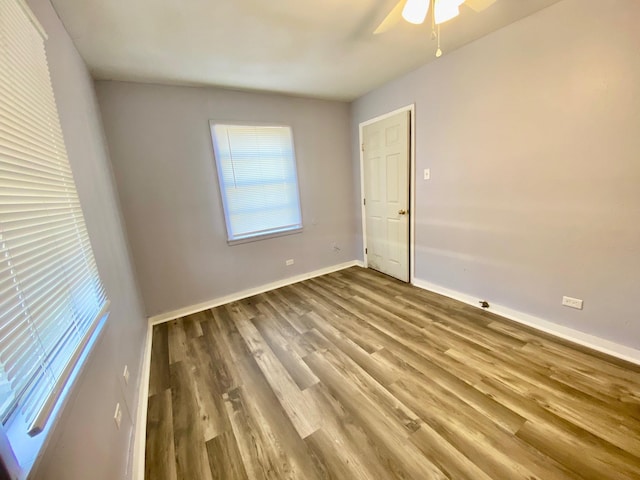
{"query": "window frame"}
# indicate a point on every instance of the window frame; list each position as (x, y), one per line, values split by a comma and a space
(22, 442)
(273, 233)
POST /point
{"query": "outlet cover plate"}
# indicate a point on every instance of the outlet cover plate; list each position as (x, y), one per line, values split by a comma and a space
(572, 302)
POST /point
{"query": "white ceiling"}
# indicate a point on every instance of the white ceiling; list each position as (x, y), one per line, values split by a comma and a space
(321, 48)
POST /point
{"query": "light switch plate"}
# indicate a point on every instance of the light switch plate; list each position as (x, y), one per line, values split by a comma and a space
(427, 174)
(117, 416)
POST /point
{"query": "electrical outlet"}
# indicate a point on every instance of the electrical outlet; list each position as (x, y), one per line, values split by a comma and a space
(289, 262)
(117, 417)
(572, 302)
(125, 375)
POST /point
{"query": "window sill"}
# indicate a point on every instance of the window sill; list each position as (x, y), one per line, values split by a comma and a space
(265, 236)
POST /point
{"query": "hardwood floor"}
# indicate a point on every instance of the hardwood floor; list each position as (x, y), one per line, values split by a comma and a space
(354, 375)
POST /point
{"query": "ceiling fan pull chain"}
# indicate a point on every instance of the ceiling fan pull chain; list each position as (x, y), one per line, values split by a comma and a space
(438, 51)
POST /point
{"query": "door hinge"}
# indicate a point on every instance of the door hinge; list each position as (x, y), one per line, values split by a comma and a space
(366, 250)
(364, 201)
(363, 147)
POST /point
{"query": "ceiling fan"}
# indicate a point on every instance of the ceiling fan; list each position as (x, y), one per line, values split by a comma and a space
(415, 11)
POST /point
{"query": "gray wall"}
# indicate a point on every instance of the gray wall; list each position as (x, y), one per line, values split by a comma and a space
(163, 161)
(532, 138)
(85, 443)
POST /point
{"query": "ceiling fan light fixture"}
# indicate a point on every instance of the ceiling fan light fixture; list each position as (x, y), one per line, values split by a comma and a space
(445, 10)
(415, 11)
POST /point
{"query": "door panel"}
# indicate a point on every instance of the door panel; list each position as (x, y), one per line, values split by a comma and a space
(393, 178)
(386, 180)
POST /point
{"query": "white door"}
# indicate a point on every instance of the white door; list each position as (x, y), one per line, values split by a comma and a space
(386, 187)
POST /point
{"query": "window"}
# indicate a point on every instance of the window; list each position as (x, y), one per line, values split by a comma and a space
(258, 180)
(51, 298)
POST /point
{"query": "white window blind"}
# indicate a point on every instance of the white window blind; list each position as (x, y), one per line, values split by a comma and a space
(51, 297)
(258, 179)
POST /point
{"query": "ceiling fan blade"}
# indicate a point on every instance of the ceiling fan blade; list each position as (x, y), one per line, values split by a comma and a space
(391, 19)
(479, 5)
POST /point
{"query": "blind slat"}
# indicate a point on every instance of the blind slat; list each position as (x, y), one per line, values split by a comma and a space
(44, 164)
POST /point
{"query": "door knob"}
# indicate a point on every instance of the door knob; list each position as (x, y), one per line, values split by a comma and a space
(402, 212)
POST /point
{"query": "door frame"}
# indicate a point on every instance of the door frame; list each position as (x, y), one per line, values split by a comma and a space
(412, 181)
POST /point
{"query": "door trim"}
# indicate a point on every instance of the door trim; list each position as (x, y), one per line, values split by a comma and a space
(412, 182)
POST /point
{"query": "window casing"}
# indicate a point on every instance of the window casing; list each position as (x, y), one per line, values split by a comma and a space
(52, 301)
(258, 180)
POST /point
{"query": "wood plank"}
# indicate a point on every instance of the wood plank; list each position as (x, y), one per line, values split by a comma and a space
(337, 340)
(225, 460)
(159, 379)
(206, 389)
(192, 460)
(160, 454)
(496, 452)
(617, 382)
(289, 298)
(326, 307)
(177, 341)
(261, 416)
(445, 456)
(277, 320)
(263, 445)
(367, 386)
(455, 390)
(572, 446)
(284, 387)
(286, 354)
(279, 301)
(385, 430)
(595, 461)
(191, 325)
(603, 422)
(255, 458)
(356, 454)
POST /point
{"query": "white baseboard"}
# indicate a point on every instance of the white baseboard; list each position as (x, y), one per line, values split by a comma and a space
(581, 338)
(216, 302)
(140, 427)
